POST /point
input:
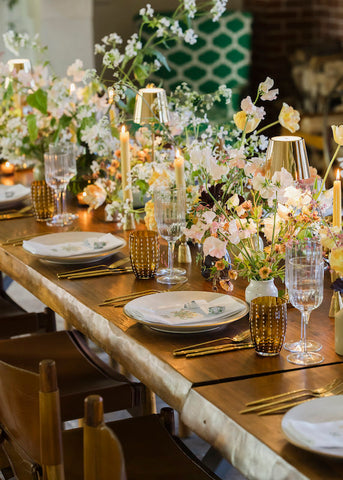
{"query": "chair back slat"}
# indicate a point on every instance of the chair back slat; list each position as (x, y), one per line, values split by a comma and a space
(19, 409)
(102, 453)
(50, 422)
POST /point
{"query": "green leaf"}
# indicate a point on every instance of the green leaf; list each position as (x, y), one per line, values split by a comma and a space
(38, 100)
(141, 73)
(143, 186)
(64, 121)
(161, 58)
(9, 92)
(32, 127)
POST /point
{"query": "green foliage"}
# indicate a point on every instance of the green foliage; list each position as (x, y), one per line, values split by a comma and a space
(32, 127)
(39, 100)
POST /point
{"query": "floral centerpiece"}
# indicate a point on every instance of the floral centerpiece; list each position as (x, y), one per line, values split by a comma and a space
(243, 211)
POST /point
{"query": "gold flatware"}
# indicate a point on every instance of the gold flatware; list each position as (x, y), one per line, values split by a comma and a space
(14, 210)
(310, 391)
(120, 301)
(127, 298)
(99, 273)
(9, 216)
(322, 393)
(284, 408)
(220, 349)
(93, 268)
(240, 337)
(18, 240)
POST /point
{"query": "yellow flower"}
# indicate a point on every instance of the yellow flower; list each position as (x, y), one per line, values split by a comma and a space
(289, 118)
(240, 119)
(336, 260)
(338, 134)
(149, 218)
(264, 272)
(158, 176)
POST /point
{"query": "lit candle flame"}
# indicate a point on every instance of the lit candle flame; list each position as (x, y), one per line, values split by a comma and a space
(72, 88)
(123, 130)
(338, 174)
(110, 95)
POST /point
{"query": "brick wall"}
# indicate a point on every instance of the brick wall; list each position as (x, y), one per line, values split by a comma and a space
(282, 26)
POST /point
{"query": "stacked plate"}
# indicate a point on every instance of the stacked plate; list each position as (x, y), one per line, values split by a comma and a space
(74, 247)
(13, 195)
(186, 312)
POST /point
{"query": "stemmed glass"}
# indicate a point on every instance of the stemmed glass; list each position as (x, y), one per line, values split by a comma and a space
(309, 248)
(71, 149)
(170, 216)
(305, 288)
(60, 167)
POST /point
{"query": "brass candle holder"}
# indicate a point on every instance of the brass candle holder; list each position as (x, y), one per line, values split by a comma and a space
(151, 107)
(289, 152)
(336, 300)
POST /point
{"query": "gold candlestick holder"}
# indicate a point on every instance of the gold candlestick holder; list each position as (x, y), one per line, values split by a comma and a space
(184, 252)
(336, 300)
(128, 221)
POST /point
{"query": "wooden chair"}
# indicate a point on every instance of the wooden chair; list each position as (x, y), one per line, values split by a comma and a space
(32, 439)
(14, 320)
(80, 371)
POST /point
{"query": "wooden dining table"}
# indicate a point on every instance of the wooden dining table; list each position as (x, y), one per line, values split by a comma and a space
(208, 391)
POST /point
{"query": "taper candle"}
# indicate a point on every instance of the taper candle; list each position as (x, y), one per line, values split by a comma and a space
(125, 164)
(179, 166)
(111, 109)
(337, 201)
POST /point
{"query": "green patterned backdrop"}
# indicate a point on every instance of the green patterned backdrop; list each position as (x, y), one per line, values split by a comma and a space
(221, 55)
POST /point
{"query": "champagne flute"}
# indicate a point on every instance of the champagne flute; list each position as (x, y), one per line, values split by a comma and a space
(170, 216)
(59, 169)
(310, 248)
(305, 288)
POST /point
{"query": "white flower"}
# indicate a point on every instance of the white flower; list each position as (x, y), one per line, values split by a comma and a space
(190, 7)
(271, 224)
(76, 71)
(133, 46)
(190, 36)
(113, 58)
(214, 247)
(218, 9)
(99, 49)
(148, 11)
(248, 107)
(265, 90)
(200, 156)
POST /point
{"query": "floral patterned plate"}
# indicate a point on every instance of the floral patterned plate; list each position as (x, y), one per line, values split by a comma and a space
(74, 247)
(12, 195)
(316, 426)
(176, 313)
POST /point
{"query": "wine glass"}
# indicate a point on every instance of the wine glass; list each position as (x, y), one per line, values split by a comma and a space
(59, 169)
(310, 248)
(71, 149)
(170, 216)
(305, 288)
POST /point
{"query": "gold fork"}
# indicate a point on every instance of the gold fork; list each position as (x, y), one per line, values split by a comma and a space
(282, 408)
(124, 299)
(291, 396)
(93, 269)
(240, 337)
(293, 392)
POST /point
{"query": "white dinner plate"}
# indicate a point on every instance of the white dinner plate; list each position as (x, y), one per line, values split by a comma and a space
(166, 312)
(13, 195)
(53, 239)
(319, 410)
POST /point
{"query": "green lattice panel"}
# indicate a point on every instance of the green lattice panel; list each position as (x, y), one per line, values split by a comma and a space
(221, 55)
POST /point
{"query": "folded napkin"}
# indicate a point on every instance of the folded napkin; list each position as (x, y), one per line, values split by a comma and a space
(72, 249)
(13, 192)
(189, 313)
(318, 435)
